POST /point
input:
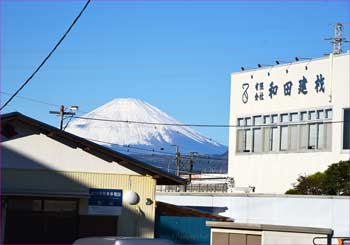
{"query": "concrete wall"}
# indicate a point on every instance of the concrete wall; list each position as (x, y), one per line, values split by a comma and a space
(276, 172)
(311, 211)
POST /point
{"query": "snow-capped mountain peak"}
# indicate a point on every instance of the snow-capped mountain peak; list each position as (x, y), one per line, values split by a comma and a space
(136, 133)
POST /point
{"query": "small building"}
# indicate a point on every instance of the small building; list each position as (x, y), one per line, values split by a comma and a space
(291, 119)
(228, 233)
(57, 187)
(184, 225)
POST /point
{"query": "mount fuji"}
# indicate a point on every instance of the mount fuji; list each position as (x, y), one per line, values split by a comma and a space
(135, 137)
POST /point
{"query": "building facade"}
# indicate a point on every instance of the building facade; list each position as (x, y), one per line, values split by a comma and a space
(57, 187)
(290, 120)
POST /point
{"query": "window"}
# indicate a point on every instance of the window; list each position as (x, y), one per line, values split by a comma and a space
(270, 139)
(240, 122)
(60, 206)
(243, 140)
(24, 204)
(303, 136)
(302, 131)
(284, 138)
(346, 129)
(312, 136)
(257, 120)
(257, 140)
(303, 116)
(293, 138)
(274, 118)
(284, 132)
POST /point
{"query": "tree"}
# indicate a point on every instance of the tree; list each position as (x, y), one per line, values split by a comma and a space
(334, 181)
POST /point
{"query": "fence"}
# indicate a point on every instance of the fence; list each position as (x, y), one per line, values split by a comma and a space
(218, 187)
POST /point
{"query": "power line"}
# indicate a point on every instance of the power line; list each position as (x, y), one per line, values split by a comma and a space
(171, 124)
(33, 100)
(47, 57)
(202, 125)
(156, 151)
(154, 123)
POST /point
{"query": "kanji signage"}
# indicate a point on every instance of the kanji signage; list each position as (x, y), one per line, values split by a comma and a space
(105, 202)
(272, 89)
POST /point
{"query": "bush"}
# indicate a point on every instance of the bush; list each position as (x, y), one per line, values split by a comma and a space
(334, 181)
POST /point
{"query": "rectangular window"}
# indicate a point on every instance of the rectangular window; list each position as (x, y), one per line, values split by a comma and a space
(329, 113)
(294, 117)
(248, 121)
(267, 139)
(248, 140)
(24, 205)
(293, 138)
(303, 136)
(328, 135)
(321, 136)
(257, 140)
(346, 129)
(257, 120)
(320, 114)
(274, 137)
(270, 139)
(274, 118)
(284, 118)
(312, 115)
(267, 119)
(312, 137)
(284, 138)
(59, 206)
(303, 116)
(243, 140)
(293, 131)
(240, 140)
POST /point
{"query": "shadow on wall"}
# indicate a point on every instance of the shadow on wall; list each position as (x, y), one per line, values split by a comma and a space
(43, 205)
(210, 209)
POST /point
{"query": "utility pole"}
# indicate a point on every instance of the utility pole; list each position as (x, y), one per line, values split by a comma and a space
(338, 39)
(191, 165)
(63, 113)
(177, 160)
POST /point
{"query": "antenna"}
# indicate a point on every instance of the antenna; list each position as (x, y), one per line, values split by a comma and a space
(338, 39)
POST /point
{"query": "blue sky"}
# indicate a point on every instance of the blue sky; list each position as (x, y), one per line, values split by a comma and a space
(176, 55)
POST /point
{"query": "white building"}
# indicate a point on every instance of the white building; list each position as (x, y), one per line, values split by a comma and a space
(290, 122)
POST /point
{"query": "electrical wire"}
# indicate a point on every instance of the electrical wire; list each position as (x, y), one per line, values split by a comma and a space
(202, 125)
(156, 151)
(173, 124)
(47, 57)
(33, 100)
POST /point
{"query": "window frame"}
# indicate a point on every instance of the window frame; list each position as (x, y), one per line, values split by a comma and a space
(297, 120)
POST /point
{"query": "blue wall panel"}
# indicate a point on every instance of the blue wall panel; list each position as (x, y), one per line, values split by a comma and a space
(183, 230)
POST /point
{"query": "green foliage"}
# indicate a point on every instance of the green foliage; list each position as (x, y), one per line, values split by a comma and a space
(334, 181)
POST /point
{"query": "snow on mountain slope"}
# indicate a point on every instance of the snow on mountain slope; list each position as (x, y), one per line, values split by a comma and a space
(141, 136)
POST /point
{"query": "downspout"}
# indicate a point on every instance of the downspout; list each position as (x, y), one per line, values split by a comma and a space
(331, 58)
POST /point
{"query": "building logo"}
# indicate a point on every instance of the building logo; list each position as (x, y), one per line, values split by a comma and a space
(245, 87)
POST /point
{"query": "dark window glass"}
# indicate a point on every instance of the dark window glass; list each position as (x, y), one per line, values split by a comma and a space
(346, 129)
(24, 204)
(60, 206)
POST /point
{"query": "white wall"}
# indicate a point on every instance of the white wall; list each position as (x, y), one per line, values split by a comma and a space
(276, 172)
(38, 151)
(311, 211)
(288, 238)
